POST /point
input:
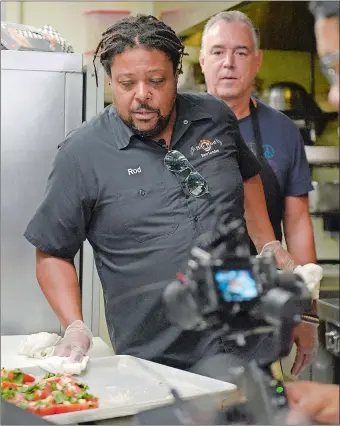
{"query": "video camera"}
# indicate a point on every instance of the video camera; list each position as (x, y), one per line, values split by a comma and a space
(235, 295)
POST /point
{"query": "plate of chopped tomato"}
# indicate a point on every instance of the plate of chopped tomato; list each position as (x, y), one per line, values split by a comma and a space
(49, 395)
(110, 387)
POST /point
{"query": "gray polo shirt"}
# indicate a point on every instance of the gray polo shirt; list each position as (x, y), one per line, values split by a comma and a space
(111, 187)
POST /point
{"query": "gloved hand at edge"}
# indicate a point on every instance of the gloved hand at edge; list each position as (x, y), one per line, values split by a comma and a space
(77, 341)
(311, 273)
(284, 260)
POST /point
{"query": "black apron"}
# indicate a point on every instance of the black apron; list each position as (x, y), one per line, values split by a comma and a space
(271, 186)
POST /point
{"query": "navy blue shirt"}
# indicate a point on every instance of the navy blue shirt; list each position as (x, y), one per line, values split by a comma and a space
(282, 147)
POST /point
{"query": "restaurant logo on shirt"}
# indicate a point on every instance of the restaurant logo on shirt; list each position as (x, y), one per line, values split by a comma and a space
(206, 146)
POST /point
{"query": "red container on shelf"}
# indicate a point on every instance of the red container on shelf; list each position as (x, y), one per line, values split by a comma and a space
(97, 21)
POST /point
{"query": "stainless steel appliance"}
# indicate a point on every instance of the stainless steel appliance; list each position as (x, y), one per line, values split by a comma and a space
(42, 100)
(294, 101)
(326, 366)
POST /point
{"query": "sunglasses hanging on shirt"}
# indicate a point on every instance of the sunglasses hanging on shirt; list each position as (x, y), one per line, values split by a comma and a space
(177, 163)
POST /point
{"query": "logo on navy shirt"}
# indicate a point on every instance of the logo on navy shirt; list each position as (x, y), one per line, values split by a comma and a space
(268, 151)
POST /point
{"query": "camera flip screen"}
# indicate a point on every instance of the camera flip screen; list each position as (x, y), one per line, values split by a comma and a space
(236, 285)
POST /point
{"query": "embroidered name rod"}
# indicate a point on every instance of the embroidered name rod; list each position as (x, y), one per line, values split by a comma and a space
(134, 171)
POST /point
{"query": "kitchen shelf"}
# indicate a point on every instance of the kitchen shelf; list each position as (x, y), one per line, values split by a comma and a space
(323, 156)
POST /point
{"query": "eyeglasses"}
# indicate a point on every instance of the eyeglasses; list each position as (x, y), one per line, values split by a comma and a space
(176, 162)
(330, 66)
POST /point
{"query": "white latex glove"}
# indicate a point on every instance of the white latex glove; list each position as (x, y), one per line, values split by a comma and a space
(77, 341)
(284, 260)
(312, 275)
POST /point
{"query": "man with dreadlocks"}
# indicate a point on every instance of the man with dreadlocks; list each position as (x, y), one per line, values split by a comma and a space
(140, 182)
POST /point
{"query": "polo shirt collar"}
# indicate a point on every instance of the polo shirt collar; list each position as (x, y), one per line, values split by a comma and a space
(186, 109)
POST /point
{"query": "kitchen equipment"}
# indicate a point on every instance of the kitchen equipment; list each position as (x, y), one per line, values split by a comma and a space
(25, 37)
(127, 385)
(326, 367)
(325, 202)
(42, 99)
(293, 100)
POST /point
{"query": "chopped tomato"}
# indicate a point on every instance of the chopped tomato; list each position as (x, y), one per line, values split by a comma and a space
(93, 403)
(54, 394)
(36, 396)
(8, 385)
(28, 378)
(72, 390)
(46, 391)
(68, 408)
(42, 410)
(19, 397)
(16, 376)
(54, 379)
(60, 377)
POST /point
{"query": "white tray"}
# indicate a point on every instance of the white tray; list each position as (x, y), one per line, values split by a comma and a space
(126, 385)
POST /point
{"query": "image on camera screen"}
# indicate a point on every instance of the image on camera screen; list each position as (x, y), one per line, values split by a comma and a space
(236, 285)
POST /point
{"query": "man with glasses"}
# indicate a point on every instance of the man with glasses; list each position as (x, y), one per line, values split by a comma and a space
(141, 182)
(230, 59)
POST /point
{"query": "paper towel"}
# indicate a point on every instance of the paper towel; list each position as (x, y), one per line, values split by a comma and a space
(57, 364)
(39, 345)
(42, 346)
(312, 275)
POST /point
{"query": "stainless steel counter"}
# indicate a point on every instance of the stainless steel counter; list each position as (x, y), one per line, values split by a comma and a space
(329, 311)
(325, 368)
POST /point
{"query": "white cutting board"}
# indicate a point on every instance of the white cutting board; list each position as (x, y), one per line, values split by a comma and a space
(126, 385)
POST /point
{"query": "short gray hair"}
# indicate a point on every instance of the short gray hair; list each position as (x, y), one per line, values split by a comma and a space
(232, 16)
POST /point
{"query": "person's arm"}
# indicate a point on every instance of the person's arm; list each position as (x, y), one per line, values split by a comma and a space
(259, 226)
(299, 237)
(298, 230)
(256, 215)
(319, 402)
(57, 230)
(58, 281)
(257, 219)
(297, 225)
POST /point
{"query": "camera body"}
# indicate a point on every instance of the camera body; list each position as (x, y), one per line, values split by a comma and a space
(235, 295)
(224, 289)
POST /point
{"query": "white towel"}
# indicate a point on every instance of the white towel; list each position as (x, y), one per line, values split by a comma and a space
(42, 346)
(312, 275)
(39, 345)
(57, 364)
